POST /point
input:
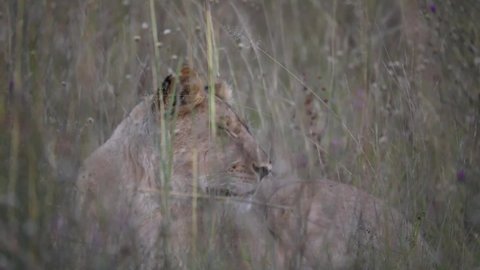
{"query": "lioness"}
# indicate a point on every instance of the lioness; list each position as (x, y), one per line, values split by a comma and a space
(288, 224)
(122, 185)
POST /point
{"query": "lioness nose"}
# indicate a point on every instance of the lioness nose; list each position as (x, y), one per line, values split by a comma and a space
(262, 169)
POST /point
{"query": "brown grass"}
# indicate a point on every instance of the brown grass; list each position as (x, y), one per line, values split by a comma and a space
(401, 80)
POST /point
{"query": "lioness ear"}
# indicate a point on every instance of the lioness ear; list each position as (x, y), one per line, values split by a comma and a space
(223, 91)
(184, 99)
(165, 93)
(191, 90)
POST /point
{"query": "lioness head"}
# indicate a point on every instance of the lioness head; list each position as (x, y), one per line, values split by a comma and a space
(230, 163)
(166, 137)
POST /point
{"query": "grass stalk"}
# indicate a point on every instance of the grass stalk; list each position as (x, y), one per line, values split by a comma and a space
(212, 62)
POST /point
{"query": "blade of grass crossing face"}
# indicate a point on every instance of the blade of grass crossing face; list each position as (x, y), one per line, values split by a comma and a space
(163, 128)
(212, 68)
(164, 164)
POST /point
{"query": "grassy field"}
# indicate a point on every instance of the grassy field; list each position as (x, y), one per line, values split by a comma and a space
(396, 84)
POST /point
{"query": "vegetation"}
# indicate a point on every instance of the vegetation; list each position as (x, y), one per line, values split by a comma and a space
(396, 83)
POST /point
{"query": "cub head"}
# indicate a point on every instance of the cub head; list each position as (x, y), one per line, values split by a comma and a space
(231, 162)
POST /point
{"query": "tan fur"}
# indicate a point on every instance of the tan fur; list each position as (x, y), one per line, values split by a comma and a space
(323, 224)
(290, 223)
(123, 184)
(293, 224)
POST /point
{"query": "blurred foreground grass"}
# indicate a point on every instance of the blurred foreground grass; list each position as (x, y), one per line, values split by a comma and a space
(401, 82)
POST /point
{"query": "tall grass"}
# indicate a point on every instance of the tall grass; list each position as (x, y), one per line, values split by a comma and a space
(396, 83)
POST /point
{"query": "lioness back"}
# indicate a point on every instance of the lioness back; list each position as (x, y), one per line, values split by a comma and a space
(326, 224)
